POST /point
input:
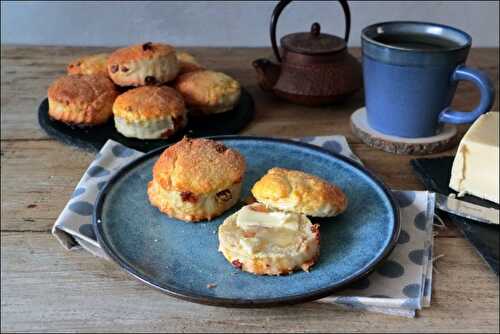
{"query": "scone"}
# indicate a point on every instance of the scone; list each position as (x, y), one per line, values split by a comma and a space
(82, 99)
(149, 112)
(208, 92)
(296, 191)
(143, 64)
(196, 179)
(262, 241)
(94, 64)
(187, 63)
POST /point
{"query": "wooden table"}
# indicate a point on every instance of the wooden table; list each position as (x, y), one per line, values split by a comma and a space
(45, 288)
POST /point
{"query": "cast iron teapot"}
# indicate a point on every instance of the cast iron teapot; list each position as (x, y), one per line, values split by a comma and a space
(315, 67)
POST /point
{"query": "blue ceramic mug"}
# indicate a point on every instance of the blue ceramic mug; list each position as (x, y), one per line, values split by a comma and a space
(411, 70)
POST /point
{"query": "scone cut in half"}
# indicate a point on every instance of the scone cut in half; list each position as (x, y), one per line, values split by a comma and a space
(296, 191)
(83, 100)
(263, 241)
(143, 64)
(93, 64)
(273, 236)
(208, 92)
(149, 112)
(188, 63)
(196, 179)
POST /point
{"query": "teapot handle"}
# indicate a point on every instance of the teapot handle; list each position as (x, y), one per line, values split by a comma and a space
(277, 12)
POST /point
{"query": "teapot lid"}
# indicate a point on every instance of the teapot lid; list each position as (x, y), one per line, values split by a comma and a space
(313, 42)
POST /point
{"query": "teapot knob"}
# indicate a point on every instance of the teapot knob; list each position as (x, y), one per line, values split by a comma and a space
(315, 29)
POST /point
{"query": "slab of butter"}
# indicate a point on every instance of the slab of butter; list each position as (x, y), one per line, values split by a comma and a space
(475, 168)
(257, 215)
(263, 227)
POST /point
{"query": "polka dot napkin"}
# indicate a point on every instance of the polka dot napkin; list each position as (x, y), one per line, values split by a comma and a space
(400, 286)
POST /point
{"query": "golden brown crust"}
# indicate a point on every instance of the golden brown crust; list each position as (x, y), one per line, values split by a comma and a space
(208, 91)
(296, 191)
(199, 166)
(149, 102)
(82, 99)
(188, 63)
(93, 64)
(80, 88)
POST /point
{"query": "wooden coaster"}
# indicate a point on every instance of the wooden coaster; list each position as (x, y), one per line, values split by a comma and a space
(444, 140)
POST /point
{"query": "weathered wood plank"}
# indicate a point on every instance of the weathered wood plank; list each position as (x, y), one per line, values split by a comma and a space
(38, 177)
(28, 71)
(45, 288)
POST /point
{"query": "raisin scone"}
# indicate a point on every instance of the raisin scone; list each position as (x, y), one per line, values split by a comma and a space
(84, 100)
(196, 179)
(263, 241)
(149, 112)
(143, 64)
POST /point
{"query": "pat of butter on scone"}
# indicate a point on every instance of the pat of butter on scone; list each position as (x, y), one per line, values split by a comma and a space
(251, 245)
(248, 218)
(476, 165)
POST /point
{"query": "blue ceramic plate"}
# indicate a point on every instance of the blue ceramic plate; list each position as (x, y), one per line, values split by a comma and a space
(181, 258)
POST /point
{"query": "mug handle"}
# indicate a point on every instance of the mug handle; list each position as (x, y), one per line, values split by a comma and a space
(483, 83)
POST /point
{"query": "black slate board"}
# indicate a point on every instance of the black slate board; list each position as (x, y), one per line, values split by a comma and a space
(93, 138)
(435, 175)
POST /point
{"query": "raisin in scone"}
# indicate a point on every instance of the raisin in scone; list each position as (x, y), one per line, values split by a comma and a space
(143, 64)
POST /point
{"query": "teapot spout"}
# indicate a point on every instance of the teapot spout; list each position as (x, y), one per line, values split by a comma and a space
(267, 73)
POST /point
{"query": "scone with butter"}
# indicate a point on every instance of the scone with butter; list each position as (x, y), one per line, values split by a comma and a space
(188, 63)
(208, 92)
(196, 179)
(94, 64)
(143, 64)
(263, 241)
(149, 112)
(296, 191)
(83, 100)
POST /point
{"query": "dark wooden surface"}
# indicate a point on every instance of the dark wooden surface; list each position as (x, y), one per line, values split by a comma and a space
(45, 288)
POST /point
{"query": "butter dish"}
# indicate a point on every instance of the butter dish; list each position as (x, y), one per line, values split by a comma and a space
(435, 175)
